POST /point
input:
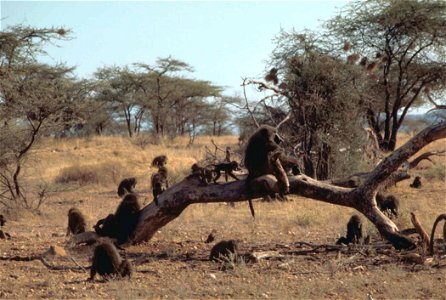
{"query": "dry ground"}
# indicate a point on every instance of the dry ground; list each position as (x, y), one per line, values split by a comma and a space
(174, 263)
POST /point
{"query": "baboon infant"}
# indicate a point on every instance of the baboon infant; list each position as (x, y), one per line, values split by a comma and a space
(228, 168)
(126, 186)
(108, 263)
(223, 250)
(354, 232)
(76, 221)
(204, 174)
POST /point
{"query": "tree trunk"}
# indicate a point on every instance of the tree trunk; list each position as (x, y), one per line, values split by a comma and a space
(175, 199)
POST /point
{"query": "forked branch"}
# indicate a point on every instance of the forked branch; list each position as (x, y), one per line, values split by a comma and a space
(174, 200)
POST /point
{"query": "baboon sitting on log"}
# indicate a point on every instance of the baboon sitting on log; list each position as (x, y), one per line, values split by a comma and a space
(204, 174)
(416, 184)
(76, 221)
(388, 204)
(354, 232)
(159, 161)
(228, 168)
(108, 263)
(121, 224)
(126, 186)
(160, 183)
(223, 250)
(264, 156)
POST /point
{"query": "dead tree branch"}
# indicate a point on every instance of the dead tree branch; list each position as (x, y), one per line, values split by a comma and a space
(189, 191)
(426, 156)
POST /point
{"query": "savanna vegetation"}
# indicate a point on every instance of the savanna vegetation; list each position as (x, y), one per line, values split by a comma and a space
(340, 97)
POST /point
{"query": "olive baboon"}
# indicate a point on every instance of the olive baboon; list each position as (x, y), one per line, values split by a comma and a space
(204, 174)
(263, 156)
(416, 184)
(434, 227)
(76, 221)
(106, 226)
(223, 250)
(354, 232)
(160, 183)
(210, 238)
(159, 161)
(228, 168)
(2, 220)
(126, 186)
(108, 263)
(388, 204)
(121, 224)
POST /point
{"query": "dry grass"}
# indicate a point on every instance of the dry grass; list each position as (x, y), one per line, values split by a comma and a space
(183, 271)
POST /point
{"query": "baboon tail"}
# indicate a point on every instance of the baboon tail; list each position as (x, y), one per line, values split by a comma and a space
(251, 208)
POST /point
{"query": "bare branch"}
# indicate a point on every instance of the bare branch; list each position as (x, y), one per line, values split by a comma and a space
(426, 156)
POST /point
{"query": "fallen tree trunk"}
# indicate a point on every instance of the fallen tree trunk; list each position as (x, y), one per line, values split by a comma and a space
(189, 191)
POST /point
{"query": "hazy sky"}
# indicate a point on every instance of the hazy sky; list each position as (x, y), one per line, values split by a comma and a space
(223, 41)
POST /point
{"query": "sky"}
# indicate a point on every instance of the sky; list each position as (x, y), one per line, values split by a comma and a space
(224, 41)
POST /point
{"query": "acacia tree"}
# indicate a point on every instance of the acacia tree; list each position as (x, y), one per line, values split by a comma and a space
(405, 41)
(35, 99)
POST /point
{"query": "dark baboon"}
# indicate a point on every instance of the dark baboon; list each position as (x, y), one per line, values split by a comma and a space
(126, 186)
(107, 226)
(263, 156)
(416, 184)
(434, 227)
(204, 174)
(160, 183)
(388, 203)
(76, 221)
(210, 238)
(272, 76)
(354, 232)
(126, 217)
(2, 220)
(364, 61)
(159, 161)
(228, 168)
(223, 250)
(108, 263)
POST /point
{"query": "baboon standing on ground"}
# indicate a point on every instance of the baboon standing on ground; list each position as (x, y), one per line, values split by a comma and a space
(126, 186)
(263, 156)
(108, 263)
(160, 183)
(76, 221)
(416, 184)
(354, 232)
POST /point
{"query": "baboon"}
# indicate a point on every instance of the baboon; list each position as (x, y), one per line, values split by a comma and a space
(210, 238)
(434, 227)
(107, 226)
(160, 183)
(159, 161)
(223, 250)
(204, 174)
(388, 203)
(263, 156)
(228, 154)
(76, 221)
(228, 168)
(3, 235)
(108, 263)
(354, 232)
(2, 220)
(126, 186)
(126, 217)
(416, 184)
(121, 224)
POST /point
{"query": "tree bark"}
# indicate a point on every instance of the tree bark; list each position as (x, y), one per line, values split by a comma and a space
(174, 200)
